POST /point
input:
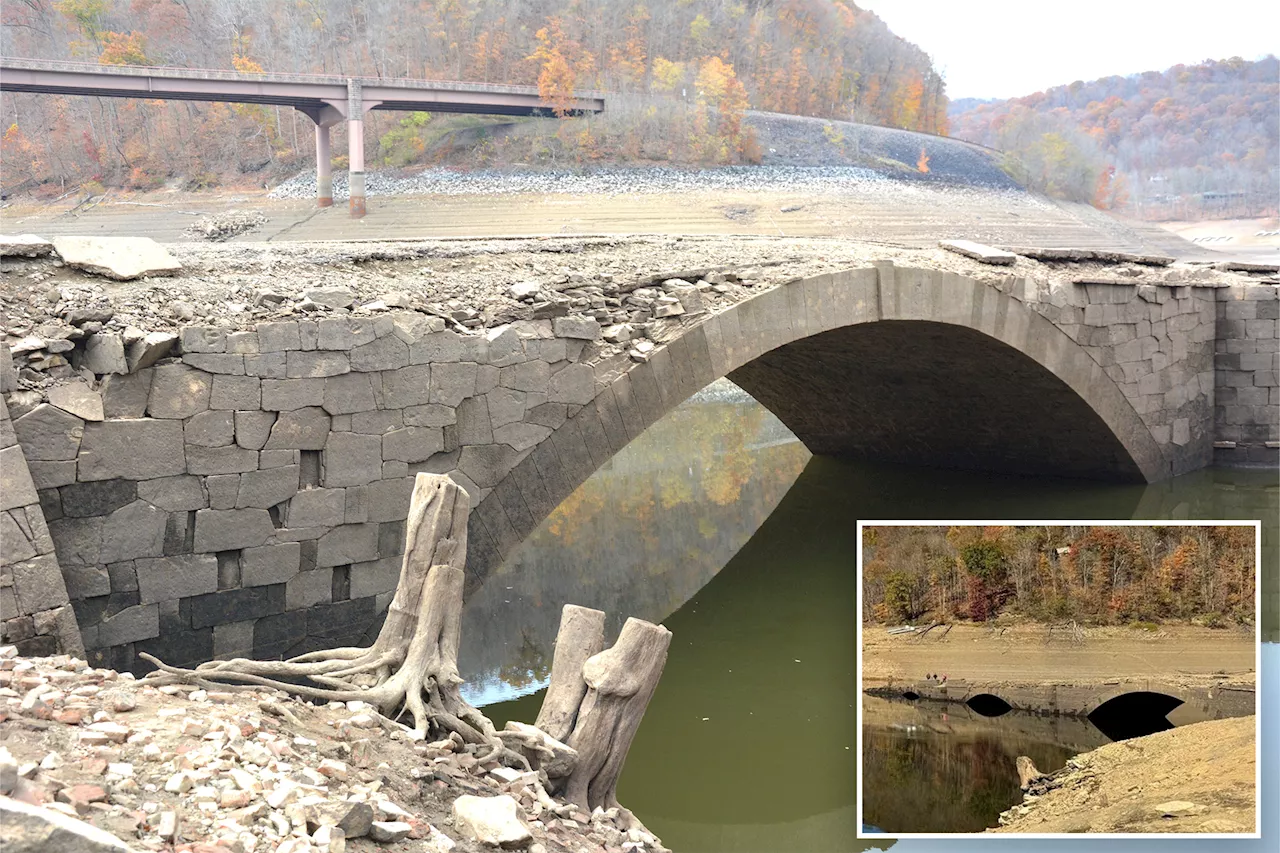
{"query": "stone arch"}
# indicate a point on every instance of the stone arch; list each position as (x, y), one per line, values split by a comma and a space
(963, 316)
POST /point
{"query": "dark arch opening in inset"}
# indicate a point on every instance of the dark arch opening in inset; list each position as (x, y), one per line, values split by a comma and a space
(911, 695)
(935, 394)
(1135, 714)
(989, 705)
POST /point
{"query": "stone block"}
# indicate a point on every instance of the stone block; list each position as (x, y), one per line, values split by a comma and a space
(351, 459)
(530, 376)
(521, 436)
(86, 581)
(264, 489)
(267, 365)
(277, 635)
(236, 392)
(307, 589)
(133, 531)
(341, 623)
(280, 395)
(580, 328)
(352, 392)
(253, 428)
(209, 429)
(343, 333)
(357, 511)
(408, 386)
(140, 622)
(15, 543)
(125, 396)
(411, 444)
(349, 543)
(278, 337)
(181, 576)
(300, 429)
(278, 458)
(109, 450)
(222, 490)
(575, 384)
(486, 465)
(385, 353)
(506, 406)
(123, 576)
(203, 339)
(377, 422)
(221, 460)
(236, 605)
(104, 354)
(183, 647)
(78, 540)
(38, 584)
(230, 364)
(389, 499)
(506, 346)
(375, 577)
(445, 347)
(101, 497)
(174, 494)
(16, 486)
(242, 342)
(315, 364)
(178, 391)
(432, 414)
(49, 434)
(229, 530)
(269, 564)
(317, 508)
(79, 399)
(233, 640)
(453, 383)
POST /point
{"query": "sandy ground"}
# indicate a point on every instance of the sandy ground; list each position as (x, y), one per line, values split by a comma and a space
(1021, 654)
(1197, 778)
(1233, 236)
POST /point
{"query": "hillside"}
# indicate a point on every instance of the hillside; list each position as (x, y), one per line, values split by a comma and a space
(1192, 142)
(680, 74)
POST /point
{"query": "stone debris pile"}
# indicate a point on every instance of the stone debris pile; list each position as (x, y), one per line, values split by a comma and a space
(218, 227)
(95, 756)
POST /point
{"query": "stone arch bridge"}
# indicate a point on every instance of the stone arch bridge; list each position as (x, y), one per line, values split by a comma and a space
(247, 494)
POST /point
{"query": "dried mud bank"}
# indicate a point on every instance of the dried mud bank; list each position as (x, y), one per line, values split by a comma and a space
(253, 771)
(1200, 778)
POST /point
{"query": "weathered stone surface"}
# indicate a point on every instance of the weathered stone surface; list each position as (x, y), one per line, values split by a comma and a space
(24, 246)
(530, 376)
(350, 543)
(979, 252)
(169, 578)
(389, 499)
(178, 391)
(300, 429)
(351, 459)
(490, 820)
(278, 337)
(235, 605)
(86, 581)
(235, 392)
(453, 383)
(210, 429)
(575, 384)
(133, 531)
(174, 494)
(125, 396)
(377, 422)
(15, 545)
(104, 353)
(203, 339)
(408, 386)
(109, 450)
(34, 829)
(317, 508)
(270, 564)
(412, 444)
(385, 353)
(487, 464)
(316, 363)
(352, 392)
(37, 583)
(49, 475)
(521, 436)
(78, 540)
(48, 433)
(253, 428)
(16, 486)
(307, 589)
(119, 258)
(581, 328)
(220, 460)
(100, 497)
(228, 530)
(150, 349)
(267, 488)
(140, 622)
(288, 394)
(78, 399)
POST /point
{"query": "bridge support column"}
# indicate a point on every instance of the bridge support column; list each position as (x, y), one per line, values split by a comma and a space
(324, 167)
(355, 147)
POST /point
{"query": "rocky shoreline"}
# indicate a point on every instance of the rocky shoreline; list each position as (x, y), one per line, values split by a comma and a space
(94, 760)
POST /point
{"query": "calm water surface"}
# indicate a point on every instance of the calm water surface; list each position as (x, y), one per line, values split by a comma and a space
(719, 524)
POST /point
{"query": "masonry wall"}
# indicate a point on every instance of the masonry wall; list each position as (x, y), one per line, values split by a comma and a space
(34, 609)
(1247, 369)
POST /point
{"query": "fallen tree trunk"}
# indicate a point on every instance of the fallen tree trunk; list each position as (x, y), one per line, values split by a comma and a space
(412, 668)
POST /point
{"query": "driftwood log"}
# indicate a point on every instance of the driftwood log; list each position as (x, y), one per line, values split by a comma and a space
(412, 668)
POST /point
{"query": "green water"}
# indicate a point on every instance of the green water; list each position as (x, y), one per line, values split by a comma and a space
(749, 742)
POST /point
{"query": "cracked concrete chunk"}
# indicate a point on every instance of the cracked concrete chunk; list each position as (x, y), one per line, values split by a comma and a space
(120, 258)
(24, 246)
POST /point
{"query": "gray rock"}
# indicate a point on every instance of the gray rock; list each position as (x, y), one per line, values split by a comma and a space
(178, 391)
(33, 829)
(108, 450)
(24, 246)
(146, 352)
(196, 339)
(101, 497)
(343, 333)
(523, 290)
(278, 337)
(521, 436)
(170, 578)
(317, 508)
(269, 564)
(349, 543)
(104, 353)
(209, 429)
(300, 429)
(453, 383)
(575, 384)
(49, 434)
(408, 386)
(264, 489)
(530, 376)
(8, 373)
(316, 364)
(15, 545)
(375, 577)
(385, 353)
(50, 475)
(307, 589)
(133, 531)
(225, 363)
(253, 428)
(78, 399)
(351, 459)
(38, 584)
(389, 832)
(17, 489)
(287, 394)
(412, 444)
(242, 342)
(173, 494)
(350, 393)
(490, 820)
(581, 328)
(86, 581)
(125, 396)
(487, 464)
(220, 460)
(228, 530)
(351, 817)
(235, 392)
(140, 622)
(432, 414)
(78, 540)
(120, 258)
(332, 297)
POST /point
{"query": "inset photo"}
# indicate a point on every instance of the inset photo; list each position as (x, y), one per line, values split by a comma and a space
(1045, 679)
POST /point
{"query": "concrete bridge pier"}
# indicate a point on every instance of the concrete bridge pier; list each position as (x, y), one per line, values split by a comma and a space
(324, 167)
(355, 147)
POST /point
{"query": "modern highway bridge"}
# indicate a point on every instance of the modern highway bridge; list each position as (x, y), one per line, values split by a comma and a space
(325, 99)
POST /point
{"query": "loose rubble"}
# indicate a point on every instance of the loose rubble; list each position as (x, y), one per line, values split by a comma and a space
(223, 226)
(92, 754)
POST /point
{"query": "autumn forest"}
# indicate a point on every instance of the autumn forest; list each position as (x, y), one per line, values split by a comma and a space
(1094, 574)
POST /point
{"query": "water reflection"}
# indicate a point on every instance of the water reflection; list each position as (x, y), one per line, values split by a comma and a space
(749, 742)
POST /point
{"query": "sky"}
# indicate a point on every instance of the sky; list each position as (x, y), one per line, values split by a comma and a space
(1008, 48)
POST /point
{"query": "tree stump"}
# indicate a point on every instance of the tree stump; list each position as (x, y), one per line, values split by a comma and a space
(581, 635)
